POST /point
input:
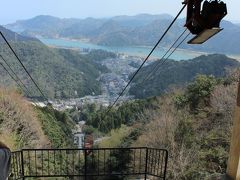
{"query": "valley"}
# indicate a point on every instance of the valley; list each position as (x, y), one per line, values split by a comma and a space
(120, 68)
(184, 103)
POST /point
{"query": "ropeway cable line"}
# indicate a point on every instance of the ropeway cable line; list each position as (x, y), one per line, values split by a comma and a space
(136, 72)
(34, 82)
(17, 77)
(163, 60)
(176, 48)
(156, 68)
(153, 49)
(11, 76)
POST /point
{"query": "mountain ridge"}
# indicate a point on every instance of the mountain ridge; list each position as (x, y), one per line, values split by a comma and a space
(179, 73)
(12, 36)
(142, 29)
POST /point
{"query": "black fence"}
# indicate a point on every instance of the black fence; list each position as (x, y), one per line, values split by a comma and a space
(89, 164)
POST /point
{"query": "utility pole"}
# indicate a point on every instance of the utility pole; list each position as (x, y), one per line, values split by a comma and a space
(233, 168)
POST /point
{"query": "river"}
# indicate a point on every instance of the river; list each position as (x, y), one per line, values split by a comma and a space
(130, 50)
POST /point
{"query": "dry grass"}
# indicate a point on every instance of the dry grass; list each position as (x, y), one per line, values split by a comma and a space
(7, 138)
(161, 131)
(20, 127)
(115, 137)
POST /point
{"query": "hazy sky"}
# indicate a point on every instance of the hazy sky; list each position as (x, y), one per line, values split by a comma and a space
(12, 10)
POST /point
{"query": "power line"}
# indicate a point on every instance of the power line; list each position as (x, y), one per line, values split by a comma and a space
(147, 57)
(156, 68)
(11, 76)
(177, 46)
(18, 79)
(111, 106)
(173, 51)
(23, 66)
(162, 58)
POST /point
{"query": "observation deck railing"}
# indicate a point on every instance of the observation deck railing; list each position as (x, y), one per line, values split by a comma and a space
(89, 164)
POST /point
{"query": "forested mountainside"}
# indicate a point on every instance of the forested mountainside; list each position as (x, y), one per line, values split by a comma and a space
(178, 73)
(23, 125)
(11, 36)
(143, 29)
(63, 73)
(60, 73)
(194, 124)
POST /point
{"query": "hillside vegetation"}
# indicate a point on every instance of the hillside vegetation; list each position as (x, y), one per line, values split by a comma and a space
(194, 124)
(60, 73)
(24, 126)
(19, 125)
(179, 73)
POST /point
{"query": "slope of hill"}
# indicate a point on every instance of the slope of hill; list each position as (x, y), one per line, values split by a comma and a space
(60, 73)
(198, 140)
(11, 36)
(194, 124)
(143, 29)
(178, 73)
(24, 126)
(19, 126)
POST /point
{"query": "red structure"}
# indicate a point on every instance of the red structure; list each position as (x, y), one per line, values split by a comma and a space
(88, 142)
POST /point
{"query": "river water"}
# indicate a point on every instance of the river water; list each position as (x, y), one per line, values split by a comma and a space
(130, 50)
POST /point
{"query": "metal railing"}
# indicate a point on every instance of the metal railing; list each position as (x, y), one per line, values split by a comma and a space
(86, 163)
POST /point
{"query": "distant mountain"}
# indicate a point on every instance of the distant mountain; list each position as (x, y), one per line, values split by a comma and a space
(60, 73)
(227, 41)
(179, 73)
(139, 30)
(41, 26)
(12, 36)
(86, 28)
(139, 20)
